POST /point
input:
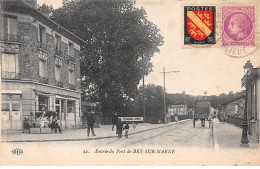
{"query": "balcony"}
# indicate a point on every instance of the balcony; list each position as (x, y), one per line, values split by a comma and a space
(43, 46)
(59, 84)
(43, 80)
(10, 38)
(72, 87)
(71, 58)
(11, 75)
(58, 53)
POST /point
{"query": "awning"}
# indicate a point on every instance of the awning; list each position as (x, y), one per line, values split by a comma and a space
(39, 93)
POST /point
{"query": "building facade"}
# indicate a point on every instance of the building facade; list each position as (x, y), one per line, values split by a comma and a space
(251, 81)
(234, 107)
(40, 67)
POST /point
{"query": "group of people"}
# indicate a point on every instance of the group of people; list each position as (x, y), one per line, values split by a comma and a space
(115, 122)
(120, 127)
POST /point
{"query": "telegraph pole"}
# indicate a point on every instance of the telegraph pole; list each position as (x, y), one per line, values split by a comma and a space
(143, 89)
(164, 99)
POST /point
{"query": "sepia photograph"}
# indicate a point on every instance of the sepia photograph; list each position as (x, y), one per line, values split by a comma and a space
(130, 82)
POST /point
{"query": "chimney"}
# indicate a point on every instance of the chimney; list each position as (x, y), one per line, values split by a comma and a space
(31, 3)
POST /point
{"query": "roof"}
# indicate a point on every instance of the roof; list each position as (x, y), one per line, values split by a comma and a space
(18, 6)
(235, 99)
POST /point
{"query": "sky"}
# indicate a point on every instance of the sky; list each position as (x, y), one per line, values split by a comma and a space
(201, 69)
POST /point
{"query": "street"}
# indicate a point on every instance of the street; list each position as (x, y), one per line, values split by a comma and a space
(178, 141)
(181, 134)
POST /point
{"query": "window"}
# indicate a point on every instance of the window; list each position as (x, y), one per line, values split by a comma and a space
(10, 65)
(43, 103)
(11, 102)
(71, 106)
(72, 77)
(42, 34)
(42, 68)
(5, 107)
(58, 42)
(71, 49)
(10, 25)
(58, 73)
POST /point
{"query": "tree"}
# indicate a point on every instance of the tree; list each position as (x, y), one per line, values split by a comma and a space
(118, 35)
(153, 101)
(44, 8)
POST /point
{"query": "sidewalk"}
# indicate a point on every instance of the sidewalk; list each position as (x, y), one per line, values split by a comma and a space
(229, 136)
(105, 131)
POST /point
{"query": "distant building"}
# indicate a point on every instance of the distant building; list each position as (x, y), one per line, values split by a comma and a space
(177, 110)
(251, 81)
(40, 66)
(234, 107)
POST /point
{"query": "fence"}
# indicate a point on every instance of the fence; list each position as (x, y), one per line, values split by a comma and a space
(184, 117)
(236, 121)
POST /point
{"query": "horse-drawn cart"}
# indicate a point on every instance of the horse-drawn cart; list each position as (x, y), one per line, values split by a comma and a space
(202, 112)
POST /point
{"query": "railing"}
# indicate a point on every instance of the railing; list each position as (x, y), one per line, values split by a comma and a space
(72, 87)
(43, 80)
(154, 120)
(59, 84)
(236, 121)
(70, 58)
(58, 53)
(184, 117)
(43, 46)
(11, 75)
(10, 38)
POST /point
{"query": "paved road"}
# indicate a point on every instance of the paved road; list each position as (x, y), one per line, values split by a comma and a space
(191, 146)
(179, 134)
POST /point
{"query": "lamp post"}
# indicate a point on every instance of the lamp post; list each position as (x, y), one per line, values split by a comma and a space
(244, 139)
(164, 99)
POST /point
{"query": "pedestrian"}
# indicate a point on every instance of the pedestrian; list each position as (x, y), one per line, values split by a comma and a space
(91, 121)
(119, 128)
(114, 120)
(55, 126)
(134, 125)
(126, 128)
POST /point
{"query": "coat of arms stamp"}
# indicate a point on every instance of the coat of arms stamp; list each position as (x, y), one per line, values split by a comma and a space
(238, 25)
(199, 25)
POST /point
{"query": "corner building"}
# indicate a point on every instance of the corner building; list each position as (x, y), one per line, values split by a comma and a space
(40, 67)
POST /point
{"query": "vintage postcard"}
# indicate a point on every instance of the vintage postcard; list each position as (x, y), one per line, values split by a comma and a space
(130, 83)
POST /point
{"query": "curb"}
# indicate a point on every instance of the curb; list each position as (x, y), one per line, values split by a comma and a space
(96, 138)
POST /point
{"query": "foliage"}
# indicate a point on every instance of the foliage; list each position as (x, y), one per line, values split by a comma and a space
(154, 100)
(50, 114)
(45, 8)
(38, 114)
(118, 35)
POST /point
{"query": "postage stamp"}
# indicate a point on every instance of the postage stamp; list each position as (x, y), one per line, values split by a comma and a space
(199, 25)
(238, 26)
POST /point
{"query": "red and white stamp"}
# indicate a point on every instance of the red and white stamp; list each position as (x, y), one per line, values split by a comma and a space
(238, 26)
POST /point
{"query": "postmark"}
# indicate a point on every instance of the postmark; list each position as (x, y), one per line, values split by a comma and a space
(199, 25)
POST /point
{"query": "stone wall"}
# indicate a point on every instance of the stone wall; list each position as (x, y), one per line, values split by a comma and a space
(29, 60)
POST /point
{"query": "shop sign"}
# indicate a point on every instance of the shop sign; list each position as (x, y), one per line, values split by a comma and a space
(52, 90)
(131, 118)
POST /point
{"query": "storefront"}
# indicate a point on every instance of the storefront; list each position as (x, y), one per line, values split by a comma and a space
(29, 99)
